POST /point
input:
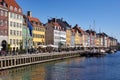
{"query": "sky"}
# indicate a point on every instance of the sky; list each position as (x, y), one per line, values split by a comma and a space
(100, 15)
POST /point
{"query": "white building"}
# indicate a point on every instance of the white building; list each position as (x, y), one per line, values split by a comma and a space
(15, 22)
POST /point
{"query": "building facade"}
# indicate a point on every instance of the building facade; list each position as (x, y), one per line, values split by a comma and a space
(55, 34)
(91, 38)
(14, 23)
(38, 31)
(27, 40)
(3, 24)
(72, 38)
(68, 37)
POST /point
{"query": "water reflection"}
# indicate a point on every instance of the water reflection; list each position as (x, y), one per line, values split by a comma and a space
(81, 68)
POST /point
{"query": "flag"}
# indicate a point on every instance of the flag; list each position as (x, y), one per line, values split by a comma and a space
(29, 25)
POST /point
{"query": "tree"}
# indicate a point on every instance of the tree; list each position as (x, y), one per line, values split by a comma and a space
(4, 45)
(60, 44)
(21, 45)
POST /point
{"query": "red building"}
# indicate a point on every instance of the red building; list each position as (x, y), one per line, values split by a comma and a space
(3, 23)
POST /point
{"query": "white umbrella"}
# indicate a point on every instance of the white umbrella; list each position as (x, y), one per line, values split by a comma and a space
(42, 46)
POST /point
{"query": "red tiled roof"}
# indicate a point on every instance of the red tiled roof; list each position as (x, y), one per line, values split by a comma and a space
(14, 4)
(77, 28)
(34, 19)
(73, 30)
(55, 24)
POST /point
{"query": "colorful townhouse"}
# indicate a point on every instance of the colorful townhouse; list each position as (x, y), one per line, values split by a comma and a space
(98, 40)
(27, 40)
(64, 25)
(78, 36)
(103, 40)
(85, 39)
(91, 38)
(3, 24)
(83, 36)
(15, 21)
(38, 30)
(55, 34)
(72, 41)
(112, 42)
(68, 37)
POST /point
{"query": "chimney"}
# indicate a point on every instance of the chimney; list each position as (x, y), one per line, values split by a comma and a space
(76, 25)
(29, 13)
(54, 20)
(49, 21)
(61, 19)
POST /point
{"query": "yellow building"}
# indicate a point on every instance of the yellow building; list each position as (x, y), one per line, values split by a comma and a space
(78, 36)
(68, 37)
(77, 39)
(38, 32)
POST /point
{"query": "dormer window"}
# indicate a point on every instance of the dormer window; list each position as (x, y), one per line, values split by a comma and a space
(55, 27)
(19, 10)
(11, 7)
(4, 4)
(15, 9)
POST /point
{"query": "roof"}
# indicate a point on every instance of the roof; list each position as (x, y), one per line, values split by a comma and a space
(55, 24)
(91, 32)
(36, 20)
(73, 30)
(102, 34)
(77, 28)
(62, 23)
(14, 4)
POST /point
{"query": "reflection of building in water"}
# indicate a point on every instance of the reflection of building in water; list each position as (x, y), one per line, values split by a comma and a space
(38, 73)
(4, 75)
(32, 72)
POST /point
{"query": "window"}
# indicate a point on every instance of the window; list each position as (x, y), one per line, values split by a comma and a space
(1, 22)
(19, 10)
(14, 16)
(1, 32)
(15, 9)
(14, 32)
(17, 33)
(10, 23)
(1, 13)
(13, 41)
(5, 32)
(5, 23)
(10, 32)
(10, 41)
(17, 24)
(11, 7)
(14, 24)
(10, 15)
(17, 16)
(17, 41)
(20, 17)
(5, 13)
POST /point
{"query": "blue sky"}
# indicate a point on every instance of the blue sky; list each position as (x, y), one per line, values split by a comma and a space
(104, 14)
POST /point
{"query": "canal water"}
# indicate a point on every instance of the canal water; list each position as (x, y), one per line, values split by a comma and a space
(80, 68)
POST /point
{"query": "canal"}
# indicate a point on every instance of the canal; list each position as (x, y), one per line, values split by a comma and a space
(80, 68)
